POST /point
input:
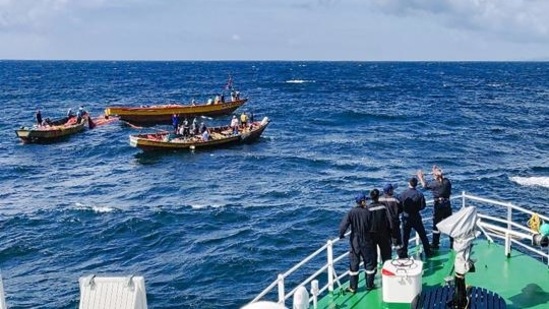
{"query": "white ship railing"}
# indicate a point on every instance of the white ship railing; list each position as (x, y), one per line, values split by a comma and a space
(511, 232)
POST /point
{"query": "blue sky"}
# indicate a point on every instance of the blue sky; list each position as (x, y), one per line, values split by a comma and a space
(364, 30)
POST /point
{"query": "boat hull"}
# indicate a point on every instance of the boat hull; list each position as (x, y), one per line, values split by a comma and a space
(162, 114)
(157, 141)
(49, 134)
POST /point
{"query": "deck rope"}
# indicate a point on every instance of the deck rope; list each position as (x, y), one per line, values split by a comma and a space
(534, 223)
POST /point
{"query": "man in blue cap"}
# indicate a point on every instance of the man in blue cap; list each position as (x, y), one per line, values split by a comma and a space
(394, 207)
(361, 245)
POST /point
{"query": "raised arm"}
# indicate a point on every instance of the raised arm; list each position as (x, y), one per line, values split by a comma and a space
(421, 177)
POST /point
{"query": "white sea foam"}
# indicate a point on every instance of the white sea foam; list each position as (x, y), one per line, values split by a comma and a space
(531, 181)
(299, 81)
(203, 206)
(102, 209)
(96, 209)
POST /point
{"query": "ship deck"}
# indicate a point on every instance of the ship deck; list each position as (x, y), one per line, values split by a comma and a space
(519, 279)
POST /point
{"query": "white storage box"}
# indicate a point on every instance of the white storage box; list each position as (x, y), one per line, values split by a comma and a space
(401, 280)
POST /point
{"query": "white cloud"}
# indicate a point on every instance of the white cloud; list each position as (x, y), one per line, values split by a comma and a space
(516, 20)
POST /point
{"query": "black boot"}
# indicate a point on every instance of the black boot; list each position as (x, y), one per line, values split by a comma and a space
(370, 281)
(353, 284)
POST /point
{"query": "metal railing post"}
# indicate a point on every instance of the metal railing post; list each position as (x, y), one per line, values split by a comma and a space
(330, 253)
(314, 292)
(281, 294)
(509, 228)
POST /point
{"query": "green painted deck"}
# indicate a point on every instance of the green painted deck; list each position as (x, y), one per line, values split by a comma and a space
(520, 279)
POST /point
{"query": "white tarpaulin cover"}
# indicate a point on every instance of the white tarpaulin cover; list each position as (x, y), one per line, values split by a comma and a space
(462, 227)
(461, 223)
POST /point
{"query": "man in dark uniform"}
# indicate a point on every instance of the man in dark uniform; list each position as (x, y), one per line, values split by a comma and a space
(381, 226)
(442, 189)
(394, 207)
(358, 219)
(413, 202)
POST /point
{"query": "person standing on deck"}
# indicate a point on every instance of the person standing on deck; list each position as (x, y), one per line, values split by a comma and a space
(80, 114)
(413, 202)
(442, 189)
(194, 127)
(359, 220)
(234, 124)
(380, 235)
(175, 122)
(38, 117)
(244, 120)
(186, 129)
(394, 207)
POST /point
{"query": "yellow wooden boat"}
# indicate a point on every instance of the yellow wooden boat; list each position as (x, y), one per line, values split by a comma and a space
(162, 114)
(54, 131)
(218, 137)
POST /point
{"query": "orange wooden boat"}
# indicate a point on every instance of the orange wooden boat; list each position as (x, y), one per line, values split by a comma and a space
(162, 114)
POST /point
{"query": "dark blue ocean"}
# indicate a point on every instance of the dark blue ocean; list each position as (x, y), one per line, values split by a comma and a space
(211, 229)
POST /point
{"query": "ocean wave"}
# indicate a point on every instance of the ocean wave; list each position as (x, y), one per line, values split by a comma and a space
(531, 181)
(299, 81)
(95, 208)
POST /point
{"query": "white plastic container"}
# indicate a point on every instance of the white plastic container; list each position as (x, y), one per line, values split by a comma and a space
(401, 280)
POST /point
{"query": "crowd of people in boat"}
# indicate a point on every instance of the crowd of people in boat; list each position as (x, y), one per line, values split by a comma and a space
(191, 129)
(220, 98)
(385, 222)
(70, 118)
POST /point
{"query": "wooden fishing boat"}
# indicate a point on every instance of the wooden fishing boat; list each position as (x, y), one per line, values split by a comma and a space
(162, 114)
(54, 131)
(219, 136)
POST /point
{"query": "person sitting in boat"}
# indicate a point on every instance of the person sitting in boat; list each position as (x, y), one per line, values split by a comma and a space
(203, 127)
(46, 122)
(217, 99)
(234, 124)
(70, 113)
(39, 117)
(205, 135)
(210, 102)
(193, 102)
(222, 98)
(233, 96)
(194, 127)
